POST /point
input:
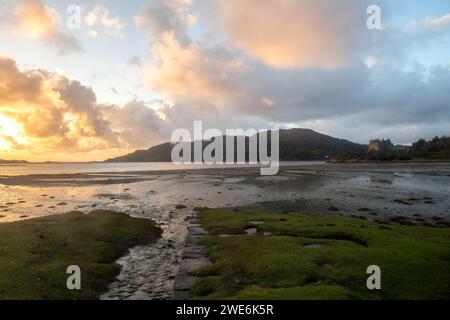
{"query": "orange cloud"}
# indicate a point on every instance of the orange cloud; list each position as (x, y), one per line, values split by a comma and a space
(35, 19)
(48, 112)
(190, 70)
(46, 116)
(297, 34)
(31, 18)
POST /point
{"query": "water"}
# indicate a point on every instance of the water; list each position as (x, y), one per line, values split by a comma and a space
(102, 167)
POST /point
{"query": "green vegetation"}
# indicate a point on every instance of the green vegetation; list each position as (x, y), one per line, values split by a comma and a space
(35, 254)
(277, 263)
(435, 150)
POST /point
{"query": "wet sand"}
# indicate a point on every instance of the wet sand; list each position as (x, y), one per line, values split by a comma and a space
(419, 193)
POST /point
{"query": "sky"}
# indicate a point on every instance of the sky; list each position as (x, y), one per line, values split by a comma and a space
(131, 72)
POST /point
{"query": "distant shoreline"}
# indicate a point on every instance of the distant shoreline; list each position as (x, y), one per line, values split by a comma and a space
(349, 161)
(424, 161)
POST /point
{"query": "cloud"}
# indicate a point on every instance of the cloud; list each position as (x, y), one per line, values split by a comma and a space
(438, 22)
(137, 125)
(45, 116)
(31, 18)
(135, 61)
(11, 141)
(50, 111)
(18, 88)
(162, 16)
(47, 113)
(211, 81)
(273, 75)
(298, 34)
(268, 102)
(98, 20)
(179, 70)
(397, 43)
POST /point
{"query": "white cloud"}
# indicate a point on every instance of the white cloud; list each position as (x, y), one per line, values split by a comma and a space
(99, 20)
(438, 22)
(161, 16)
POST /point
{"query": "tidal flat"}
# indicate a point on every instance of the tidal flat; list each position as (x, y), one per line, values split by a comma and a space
(407, 194)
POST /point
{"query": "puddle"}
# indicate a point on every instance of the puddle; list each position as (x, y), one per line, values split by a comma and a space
(381, 179)
(112, 196)
(251, 231)
(256, 222)
(233, 180)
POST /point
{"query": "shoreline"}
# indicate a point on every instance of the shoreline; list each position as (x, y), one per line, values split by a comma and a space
(122, 177)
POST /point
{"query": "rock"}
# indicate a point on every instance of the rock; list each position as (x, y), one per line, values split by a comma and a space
(191, 266)
(256, 222)
(184, 282)
(181, 295)
(193, 254)
(197, 231)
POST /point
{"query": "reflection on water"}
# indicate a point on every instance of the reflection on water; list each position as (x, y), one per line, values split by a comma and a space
(100, 167)
(156, 196)
(381, 179)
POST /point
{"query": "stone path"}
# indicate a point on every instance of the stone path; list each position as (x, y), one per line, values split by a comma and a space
(193, 259)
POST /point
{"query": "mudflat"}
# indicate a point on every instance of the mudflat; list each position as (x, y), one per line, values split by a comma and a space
(410, 194)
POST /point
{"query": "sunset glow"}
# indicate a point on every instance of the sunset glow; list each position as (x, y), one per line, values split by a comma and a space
(10, 133)
(122, 77)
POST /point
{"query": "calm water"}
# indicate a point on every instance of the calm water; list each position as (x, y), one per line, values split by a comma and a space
(63, 168)
(155, 195)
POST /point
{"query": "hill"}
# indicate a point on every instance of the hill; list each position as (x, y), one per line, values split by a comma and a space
(295, 145)
(307, 144)
(12, 161)
(158, 153)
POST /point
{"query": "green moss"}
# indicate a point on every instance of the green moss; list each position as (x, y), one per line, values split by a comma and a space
(35, 254)
(415, 261)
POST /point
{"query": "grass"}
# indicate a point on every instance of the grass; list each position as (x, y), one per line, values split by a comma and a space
(34, 254)
(414, 261)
